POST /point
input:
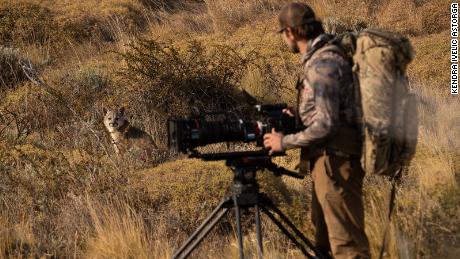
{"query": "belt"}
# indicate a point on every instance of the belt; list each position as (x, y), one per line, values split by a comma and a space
(340, 153)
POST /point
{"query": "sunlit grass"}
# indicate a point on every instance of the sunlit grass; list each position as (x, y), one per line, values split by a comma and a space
(63, 192)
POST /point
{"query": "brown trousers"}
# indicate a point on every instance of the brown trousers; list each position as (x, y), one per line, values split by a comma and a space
(337, 206)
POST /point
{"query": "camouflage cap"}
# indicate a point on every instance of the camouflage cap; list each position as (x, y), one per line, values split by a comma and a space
(295, 14)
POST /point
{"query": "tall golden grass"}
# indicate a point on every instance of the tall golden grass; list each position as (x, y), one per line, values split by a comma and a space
(64, 194)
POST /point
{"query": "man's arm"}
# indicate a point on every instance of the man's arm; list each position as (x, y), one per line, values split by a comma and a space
(324, 76)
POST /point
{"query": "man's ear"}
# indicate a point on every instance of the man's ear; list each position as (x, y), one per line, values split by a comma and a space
(290, 34)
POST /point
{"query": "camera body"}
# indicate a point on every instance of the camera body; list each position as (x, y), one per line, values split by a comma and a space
(185, 134)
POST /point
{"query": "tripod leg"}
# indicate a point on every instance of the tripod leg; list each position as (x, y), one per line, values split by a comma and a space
(200, 238)
(299, 234)
(238, 226)
(260, 248)
(192, 239)
(286, 232)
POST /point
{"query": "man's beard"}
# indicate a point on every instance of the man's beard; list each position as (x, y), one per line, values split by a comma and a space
(294, 48)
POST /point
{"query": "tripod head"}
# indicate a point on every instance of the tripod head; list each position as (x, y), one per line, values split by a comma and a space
(249, 161)
(245, 165)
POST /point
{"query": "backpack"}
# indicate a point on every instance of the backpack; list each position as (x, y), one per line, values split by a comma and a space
(385, 105)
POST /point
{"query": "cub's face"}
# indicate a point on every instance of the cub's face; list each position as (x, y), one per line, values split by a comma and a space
(114, 119)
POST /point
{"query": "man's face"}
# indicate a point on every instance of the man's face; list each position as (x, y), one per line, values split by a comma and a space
(290, 40)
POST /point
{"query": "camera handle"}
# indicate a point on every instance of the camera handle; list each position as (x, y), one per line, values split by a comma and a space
(244, 193)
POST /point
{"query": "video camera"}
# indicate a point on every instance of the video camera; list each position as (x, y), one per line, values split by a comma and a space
(185, 134)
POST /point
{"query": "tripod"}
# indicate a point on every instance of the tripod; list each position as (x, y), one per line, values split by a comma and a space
(243, 194)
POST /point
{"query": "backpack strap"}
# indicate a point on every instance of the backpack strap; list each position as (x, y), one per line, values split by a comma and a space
(391, 205)
(344, 143)
(347, 141)
(304, 163)
(332, 47)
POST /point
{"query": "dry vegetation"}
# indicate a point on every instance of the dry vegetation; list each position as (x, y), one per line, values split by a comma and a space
(64, 194)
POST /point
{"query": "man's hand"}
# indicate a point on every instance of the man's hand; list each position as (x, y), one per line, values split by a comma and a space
(289, 111)
(272, 141)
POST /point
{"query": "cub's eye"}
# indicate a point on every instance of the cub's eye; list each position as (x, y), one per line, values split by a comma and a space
(110, 118)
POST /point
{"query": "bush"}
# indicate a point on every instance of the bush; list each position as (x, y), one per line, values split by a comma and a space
(10, 70)
(31, 109)
(175, 79)
(99, 20)
(337, 26)
(83, 88)
(25, 23)
(73, 96)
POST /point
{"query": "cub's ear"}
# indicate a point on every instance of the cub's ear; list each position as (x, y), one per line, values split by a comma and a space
(104, 110)
(122, 110)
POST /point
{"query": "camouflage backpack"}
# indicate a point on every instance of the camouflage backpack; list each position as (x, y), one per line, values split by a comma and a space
(387, 108)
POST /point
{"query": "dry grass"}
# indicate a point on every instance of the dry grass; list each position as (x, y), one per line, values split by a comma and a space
(226, 17)
(119, 232)
(64, 194)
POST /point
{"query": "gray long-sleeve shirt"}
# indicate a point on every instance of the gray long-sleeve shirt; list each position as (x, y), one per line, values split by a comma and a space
(327, 78)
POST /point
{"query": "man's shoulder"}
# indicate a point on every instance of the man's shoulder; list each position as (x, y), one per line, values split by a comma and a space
(330, 58)
(329, 53)
(327, 64)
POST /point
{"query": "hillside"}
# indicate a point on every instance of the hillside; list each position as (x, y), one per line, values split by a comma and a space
(65, 194)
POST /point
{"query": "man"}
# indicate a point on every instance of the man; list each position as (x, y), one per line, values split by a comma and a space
(331, 142)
